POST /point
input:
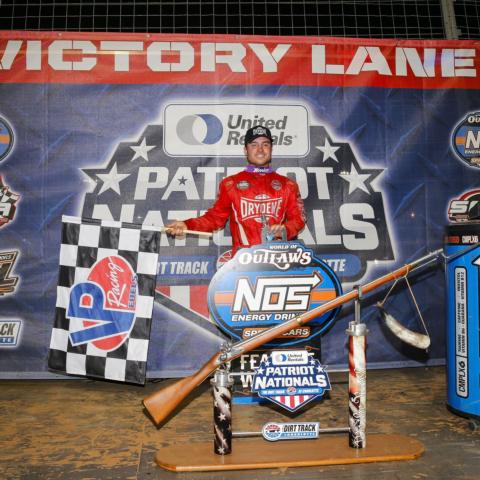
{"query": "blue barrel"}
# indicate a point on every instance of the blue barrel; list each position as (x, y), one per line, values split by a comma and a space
(463, 339)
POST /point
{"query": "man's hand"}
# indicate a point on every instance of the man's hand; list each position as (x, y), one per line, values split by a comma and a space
(176, 228)
(277, 230)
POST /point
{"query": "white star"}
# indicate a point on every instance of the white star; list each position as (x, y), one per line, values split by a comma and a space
(222, 417)
(142, 150)
(328, 151)
(112, 179)
(355, 180)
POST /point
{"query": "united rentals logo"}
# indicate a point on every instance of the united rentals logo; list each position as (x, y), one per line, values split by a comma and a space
(466, 139)
(7, 262)
(291, 379)
(198, 129)
(245, 297)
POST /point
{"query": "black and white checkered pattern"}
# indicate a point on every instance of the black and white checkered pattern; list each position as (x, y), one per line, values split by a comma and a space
(85, 242)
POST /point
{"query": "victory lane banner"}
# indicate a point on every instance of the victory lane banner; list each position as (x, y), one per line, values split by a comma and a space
(105, 297)
(382, 137)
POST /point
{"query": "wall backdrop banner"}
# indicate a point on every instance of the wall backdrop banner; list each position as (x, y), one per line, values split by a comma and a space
(383, 138)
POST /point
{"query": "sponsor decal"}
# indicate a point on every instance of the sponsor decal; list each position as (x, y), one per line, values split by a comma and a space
(7, 262)
(223, 259)
(10, 332)
(6, 138)
(290, 378)
(193, 267)
(269, 284)
(466, 139)
(260, 205)
(205, 129)
(102, 309)
(290, 431)
(8, 203)
(243, 185)
(276, 185)
(461, 329)
(465, 208)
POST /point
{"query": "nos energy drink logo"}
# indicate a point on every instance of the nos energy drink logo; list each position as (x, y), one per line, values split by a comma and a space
(103, 307)
(270, 284)
(466, 139)
(219, 130)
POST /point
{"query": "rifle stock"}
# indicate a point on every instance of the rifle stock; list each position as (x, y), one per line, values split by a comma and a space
(162, 403)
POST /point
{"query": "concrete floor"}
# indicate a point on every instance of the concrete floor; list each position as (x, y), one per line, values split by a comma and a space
(82, 429)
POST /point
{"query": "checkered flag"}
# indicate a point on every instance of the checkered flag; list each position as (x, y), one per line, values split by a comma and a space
(105, 295)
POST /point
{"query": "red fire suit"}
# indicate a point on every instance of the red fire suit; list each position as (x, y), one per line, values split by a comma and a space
(244, 198)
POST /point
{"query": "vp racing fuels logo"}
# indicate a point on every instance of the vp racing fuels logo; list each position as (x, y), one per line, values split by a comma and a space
(102, 309)
(269, 284)
(466, 139)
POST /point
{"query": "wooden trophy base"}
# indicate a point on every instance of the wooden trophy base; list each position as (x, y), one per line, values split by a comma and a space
(259, 453)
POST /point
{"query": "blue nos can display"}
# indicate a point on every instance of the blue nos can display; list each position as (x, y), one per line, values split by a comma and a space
(463, 321)
(269, 284)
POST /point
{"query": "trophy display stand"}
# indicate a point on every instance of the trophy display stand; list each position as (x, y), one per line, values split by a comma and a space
(334, 446)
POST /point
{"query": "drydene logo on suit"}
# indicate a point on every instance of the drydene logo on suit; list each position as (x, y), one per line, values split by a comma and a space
(103, 307)
(253, 208)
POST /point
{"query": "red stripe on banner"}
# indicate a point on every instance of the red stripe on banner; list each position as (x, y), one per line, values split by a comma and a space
(164, 290)
(111, 58)
(198, 300)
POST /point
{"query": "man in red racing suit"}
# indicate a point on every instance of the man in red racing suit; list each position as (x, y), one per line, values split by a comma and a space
(251, 198)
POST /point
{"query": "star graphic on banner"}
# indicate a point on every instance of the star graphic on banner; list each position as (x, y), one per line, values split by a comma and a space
(260, 370)
(328, 151)
(111, 180)
(355, 180)
(142, 150)
(182, 181)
